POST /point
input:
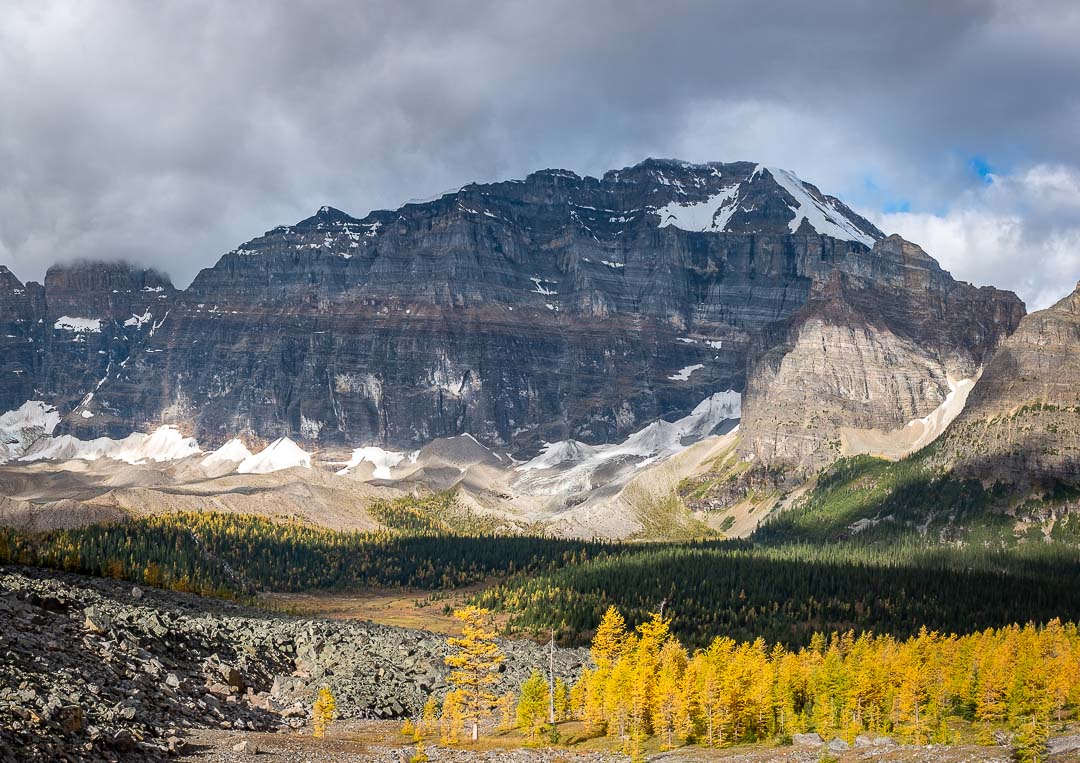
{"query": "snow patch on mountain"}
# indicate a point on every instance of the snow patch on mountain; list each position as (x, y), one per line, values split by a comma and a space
(822, 214)
(282, 453)
(164, 444)
(138, 321)
(562, 452)
(22, 427)
(685, 373)
(700, 216)
(916, 434)
(382, 460)
(78, 325)
(933, 424)
(659, 439)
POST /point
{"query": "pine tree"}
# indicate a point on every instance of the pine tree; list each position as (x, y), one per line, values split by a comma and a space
(475, 664)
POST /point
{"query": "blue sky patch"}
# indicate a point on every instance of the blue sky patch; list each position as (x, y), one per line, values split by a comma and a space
(981, 167)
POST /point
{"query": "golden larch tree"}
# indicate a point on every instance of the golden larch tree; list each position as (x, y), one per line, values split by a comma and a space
(610, 639)
(475, 664)
(323, 712)
(532, 706)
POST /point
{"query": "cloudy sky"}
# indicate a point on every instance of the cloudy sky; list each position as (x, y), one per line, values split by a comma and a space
(167, 133)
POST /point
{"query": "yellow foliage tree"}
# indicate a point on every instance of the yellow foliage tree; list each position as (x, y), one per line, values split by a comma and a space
(669, 686)
(323, 712)
(532, 706)
(474, 664)
(452, 718)
(505, 706)
(610, 639)
(429, 717)
(562, 700)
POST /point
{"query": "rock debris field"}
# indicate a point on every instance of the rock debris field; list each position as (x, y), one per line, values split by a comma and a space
(100, 670)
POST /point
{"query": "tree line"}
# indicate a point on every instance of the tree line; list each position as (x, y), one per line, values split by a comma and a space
(788, 593)
(783, 593)
(645, 684)
(234, 555)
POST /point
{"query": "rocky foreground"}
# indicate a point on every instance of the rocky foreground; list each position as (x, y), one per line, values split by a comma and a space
(98, 670)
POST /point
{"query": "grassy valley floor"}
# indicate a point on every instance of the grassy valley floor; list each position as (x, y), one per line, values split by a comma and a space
(370, 741)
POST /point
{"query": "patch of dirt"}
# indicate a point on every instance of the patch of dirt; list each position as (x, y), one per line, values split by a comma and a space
(422, 610)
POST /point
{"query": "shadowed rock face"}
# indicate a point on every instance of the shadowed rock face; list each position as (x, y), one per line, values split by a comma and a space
(551, 308)
(1021, 424)
(62, 339)
(21, 306)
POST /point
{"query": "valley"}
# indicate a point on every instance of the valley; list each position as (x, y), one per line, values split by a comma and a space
(709, 398)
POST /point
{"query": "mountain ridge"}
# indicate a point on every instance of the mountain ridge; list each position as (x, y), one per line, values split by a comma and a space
(551, 308)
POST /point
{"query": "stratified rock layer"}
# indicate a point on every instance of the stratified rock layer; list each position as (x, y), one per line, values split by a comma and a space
(869, 350)
(1021, 424)
(554, 308)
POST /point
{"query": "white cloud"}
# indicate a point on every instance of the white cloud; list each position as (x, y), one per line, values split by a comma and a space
(1018, 231)
(169, 133)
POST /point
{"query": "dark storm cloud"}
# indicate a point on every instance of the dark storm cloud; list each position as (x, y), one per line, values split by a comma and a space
(167, 133)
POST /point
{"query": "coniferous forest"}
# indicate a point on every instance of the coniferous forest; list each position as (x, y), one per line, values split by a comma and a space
(782, 592)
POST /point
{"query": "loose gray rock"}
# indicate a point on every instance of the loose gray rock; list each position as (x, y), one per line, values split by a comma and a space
(97, 621)
(837, 745)
(94, 666)
(1064, 744)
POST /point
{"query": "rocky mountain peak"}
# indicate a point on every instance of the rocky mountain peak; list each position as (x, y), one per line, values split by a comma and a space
(8, 282)
(106, 276)
(326, 216)
(551, 308)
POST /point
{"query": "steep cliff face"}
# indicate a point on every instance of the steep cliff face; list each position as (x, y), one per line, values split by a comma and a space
(554, 308)
(62, 339)
(551, 308)
(875, 350)
(21, 307)
(1021, 424)
(95, 315)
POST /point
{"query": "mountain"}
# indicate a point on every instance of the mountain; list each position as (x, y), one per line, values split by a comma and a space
(525, 312)
(63, 341)
(868, 352)
(1021, 424)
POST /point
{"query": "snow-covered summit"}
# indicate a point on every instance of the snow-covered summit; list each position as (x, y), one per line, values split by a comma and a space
(735, 202)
